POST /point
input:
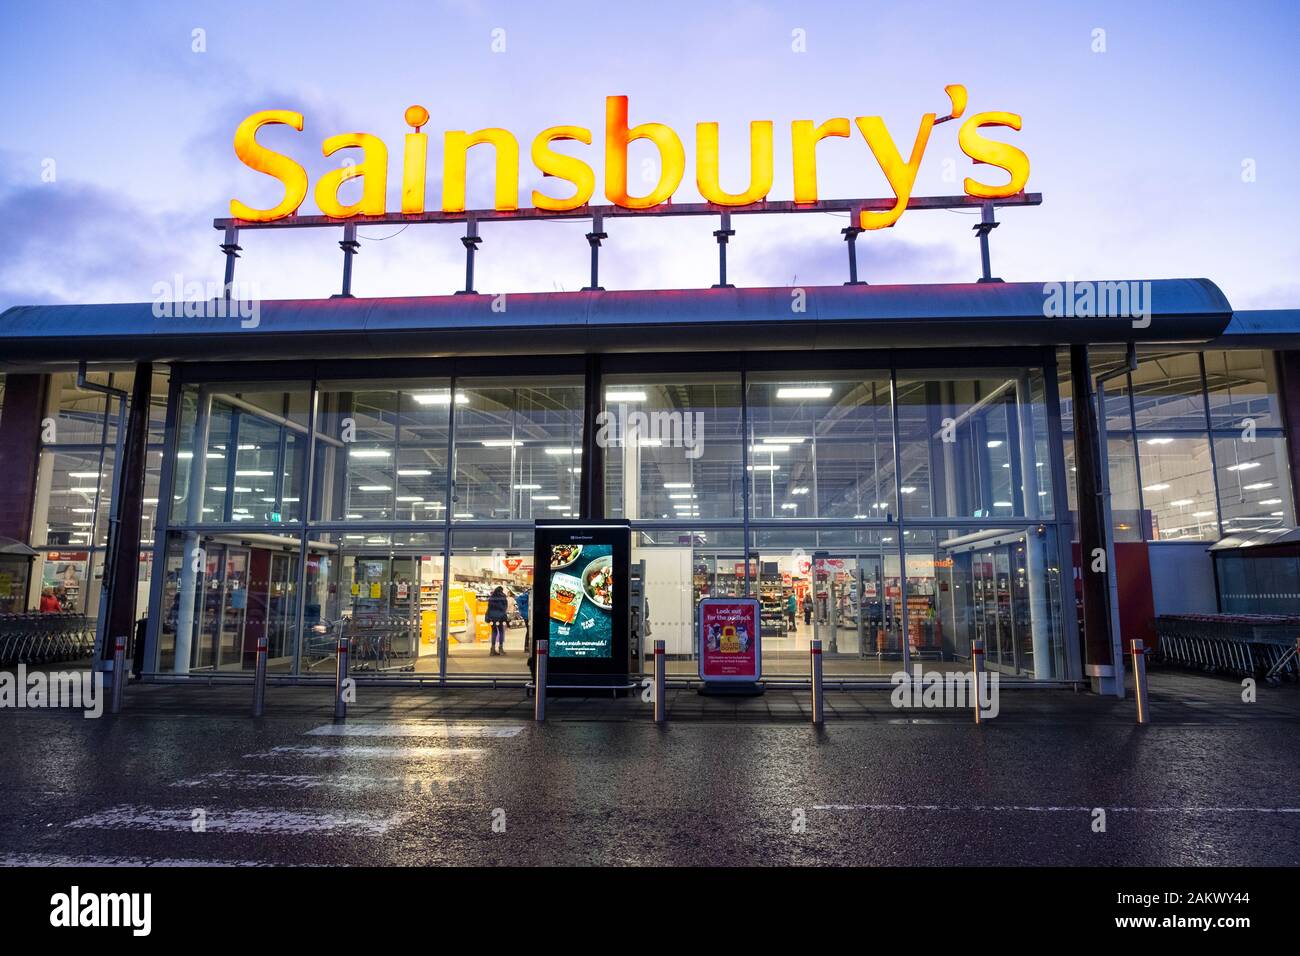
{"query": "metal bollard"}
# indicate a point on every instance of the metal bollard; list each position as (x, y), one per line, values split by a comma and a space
(977, 672)
(818, 705)
(539, 689)
(661, 687)
(119, 674)
(259, 679)
(341, 675)
(1140, 681)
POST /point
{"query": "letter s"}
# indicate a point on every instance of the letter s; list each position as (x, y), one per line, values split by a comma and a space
(551, 163)
(989, 151)
(274, 164)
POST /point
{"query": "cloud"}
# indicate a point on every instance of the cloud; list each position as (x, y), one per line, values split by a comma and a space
(80, 243)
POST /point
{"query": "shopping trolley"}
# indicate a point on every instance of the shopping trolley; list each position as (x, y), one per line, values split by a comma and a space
(1246, 645)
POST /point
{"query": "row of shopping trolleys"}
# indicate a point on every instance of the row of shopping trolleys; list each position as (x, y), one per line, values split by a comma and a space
(45, 638)
(1246, 645)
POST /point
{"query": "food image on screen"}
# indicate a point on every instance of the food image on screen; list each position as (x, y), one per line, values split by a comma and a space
(582, 600)
(598, 582)
(563, 555)
(566, 598)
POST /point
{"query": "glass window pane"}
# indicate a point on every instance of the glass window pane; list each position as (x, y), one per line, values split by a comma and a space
(840, 587)
(1102, 360)
(382, 453)
(1167, 391)
(380, 590)
(972, 446)
(67, 574)
(1254, 483)
(1178, 487)
(1242, 385)
(481, 562)
(1123, 487)
(518, 449)
(80, 416)
(682, 567)
(672, 446)
(73, 489)
(822, 446)
(252, 467)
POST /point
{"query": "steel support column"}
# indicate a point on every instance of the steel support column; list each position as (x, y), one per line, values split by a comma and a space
(1094, 562)
(123, 569)
(591, 495)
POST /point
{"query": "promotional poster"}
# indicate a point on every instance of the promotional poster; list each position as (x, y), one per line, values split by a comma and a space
(581, 600)
(729, 640)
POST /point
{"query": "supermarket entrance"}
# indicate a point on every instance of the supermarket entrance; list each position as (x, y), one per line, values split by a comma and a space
(849, 600)
(1002, 607)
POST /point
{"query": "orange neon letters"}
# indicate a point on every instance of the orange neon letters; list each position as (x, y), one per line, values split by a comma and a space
(276, 165)
(901, 174)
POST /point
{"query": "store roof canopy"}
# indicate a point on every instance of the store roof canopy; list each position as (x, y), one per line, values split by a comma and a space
(817, 317)
(1263, 329)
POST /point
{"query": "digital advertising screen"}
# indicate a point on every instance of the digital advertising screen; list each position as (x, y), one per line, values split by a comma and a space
(582, 574)
(582, 601)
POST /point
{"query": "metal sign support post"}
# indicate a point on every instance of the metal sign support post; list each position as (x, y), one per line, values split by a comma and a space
(471, 243)
(593, 239)
(349, 245)
(986, 225)
(231, 249)
(598, 214)
(722, 235)
(851, 234)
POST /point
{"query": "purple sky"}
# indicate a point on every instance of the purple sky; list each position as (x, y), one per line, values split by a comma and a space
(1138, 150)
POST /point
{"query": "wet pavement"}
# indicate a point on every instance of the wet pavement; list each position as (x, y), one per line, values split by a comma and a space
(425, 776)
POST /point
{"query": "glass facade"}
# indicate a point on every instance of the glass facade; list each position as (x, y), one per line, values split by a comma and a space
(1196, 445)
(850, 530)
(897, 512)
(72, 504)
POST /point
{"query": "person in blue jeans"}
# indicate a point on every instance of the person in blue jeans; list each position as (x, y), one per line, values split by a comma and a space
(497, 611)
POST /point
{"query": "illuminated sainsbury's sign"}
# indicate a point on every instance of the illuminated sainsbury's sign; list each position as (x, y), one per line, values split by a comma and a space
(372, 169)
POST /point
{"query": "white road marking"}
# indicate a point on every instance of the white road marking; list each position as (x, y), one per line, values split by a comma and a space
(256, 820)
(951, 808)
(368, 752)
(55, 860)
(310, 781)
(414, 729)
